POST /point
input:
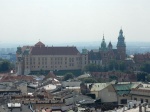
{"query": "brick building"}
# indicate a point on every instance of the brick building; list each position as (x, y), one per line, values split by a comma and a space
(106, 53)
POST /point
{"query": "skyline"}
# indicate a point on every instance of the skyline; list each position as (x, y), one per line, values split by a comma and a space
(69, 21)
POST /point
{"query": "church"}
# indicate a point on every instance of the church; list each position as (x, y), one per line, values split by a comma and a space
(106, 52)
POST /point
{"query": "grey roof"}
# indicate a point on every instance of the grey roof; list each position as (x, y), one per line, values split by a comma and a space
(98, 86)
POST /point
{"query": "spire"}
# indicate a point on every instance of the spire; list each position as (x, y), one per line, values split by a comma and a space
(103, 37)
(121, 39)
(103, 43)
(121, 32)
(110, 45)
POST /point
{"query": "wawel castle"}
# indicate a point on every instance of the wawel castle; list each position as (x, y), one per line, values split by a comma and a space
(53, 58)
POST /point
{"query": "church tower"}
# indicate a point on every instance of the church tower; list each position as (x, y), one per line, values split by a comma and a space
(121, 46)
(103, 44)
(110, 46)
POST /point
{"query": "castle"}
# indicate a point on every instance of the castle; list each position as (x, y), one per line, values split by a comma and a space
(41, 57)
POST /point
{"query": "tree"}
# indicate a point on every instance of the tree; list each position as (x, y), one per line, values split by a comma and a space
(148, 78)
(122, 66)
(141, 76)
(68, 76)
(113, 78)
(146, 67)
(5, 66)
(96, 68)
(91, 68)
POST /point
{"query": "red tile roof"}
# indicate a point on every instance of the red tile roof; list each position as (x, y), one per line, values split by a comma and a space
(39, 44)
(54, 51)
(120, 75)
(16, 78)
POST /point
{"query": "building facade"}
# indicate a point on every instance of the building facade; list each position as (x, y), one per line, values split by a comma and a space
(106, 53)
(41, 57)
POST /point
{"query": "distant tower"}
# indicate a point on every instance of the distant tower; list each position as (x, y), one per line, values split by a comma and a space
(110, 46)
(103, 44)
(121, 46)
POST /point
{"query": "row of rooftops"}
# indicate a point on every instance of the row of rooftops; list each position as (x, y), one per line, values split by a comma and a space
(122, 88)
(13, 78)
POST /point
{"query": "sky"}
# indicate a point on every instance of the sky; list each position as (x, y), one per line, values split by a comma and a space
(67, 21)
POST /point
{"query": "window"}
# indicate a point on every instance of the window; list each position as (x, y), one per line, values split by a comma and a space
(77, 58)
(69, 59)
(123, 101)
(72, 59)
(146, 100)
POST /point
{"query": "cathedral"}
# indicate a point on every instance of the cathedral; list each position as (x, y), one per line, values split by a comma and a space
(106, 52)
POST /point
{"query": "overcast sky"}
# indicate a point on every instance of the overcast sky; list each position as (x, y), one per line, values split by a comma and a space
(66, 21)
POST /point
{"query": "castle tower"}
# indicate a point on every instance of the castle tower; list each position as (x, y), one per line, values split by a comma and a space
(103, 44)
(110, 46)
(121, 46)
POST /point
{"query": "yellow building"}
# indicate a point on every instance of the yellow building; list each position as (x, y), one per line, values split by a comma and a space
(41, 57)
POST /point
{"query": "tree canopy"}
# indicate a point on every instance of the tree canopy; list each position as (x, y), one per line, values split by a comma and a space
(146, 67)
(5, 65)
(112, 65)
(68, 76)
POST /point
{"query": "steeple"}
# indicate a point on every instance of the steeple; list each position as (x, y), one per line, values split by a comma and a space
(103, 38)
(121, 46)
(121, 38)
(103, 43)
(110, 45)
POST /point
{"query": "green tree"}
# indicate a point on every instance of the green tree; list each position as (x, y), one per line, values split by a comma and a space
(113, 65)
(148, 78)
(141, 76)
(122, 66)
(68, 76)
(5, 66)
(113, 78)
(91, 68)
(146, 67)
